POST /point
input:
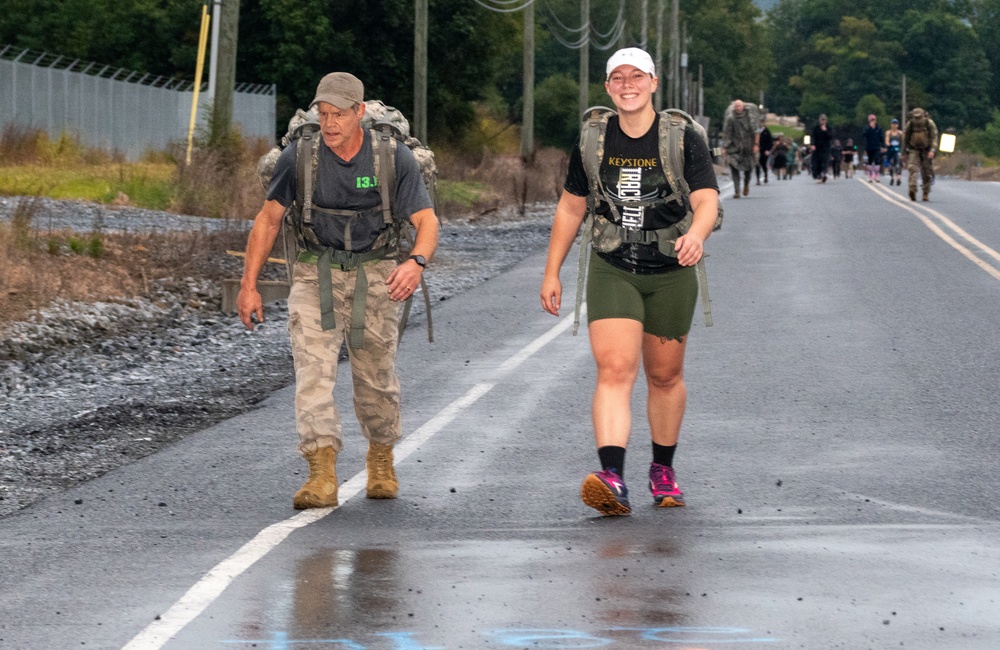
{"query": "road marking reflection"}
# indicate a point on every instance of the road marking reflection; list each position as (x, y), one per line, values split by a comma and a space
(213, 583)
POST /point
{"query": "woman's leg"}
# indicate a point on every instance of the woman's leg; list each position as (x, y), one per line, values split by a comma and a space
(617, 346)
(663, 360)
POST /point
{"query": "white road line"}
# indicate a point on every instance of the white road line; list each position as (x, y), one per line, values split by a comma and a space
(945, 220)
(912, 509)
(891, 197)
(213, 583)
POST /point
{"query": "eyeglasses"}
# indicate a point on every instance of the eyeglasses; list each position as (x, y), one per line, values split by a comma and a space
(636, 78)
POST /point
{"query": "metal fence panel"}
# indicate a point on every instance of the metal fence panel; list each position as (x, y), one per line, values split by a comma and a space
(115, 108)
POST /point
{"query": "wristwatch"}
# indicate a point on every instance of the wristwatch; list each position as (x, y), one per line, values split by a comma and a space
(419, 259)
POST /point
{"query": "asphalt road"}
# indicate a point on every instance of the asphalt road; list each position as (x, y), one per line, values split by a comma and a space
(838, 457)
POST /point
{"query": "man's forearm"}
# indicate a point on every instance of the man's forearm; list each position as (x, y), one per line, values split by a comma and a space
(259, 245)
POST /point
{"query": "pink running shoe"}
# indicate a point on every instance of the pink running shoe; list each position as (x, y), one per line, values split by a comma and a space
(663, 485)
(605, 491)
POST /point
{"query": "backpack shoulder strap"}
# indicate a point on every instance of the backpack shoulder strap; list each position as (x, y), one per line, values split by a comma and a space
(595, 127)
(384, 150)
(592, 132)
(306, 162)
(671, 143)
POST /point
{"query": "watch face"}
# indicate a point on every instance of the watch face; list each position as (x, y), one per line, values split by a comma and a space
(419, 259)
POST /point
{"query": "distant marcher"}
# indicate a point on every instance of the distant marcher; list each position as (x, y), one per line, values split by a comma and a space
(836, 156)
(740, 145)
(347, 283)
(779, 157)
(893, 152)
(822, 138)
(640, 296)
(919, 145)
(793, 159)
(874, 143)
(765, 141)
(850, 154)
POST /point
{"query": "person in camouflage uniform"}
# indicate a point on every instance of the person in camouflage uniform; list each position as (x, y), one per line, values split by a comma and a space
(345, 195)
(740, 145)
(919, 145)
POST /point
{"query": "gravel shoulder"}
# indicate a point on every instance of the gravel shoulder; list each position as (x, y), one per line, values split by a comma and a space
(88, 387)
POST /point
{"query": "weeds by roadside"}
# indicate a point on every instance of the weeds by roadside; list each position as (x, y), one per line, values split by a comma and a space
(38, 266)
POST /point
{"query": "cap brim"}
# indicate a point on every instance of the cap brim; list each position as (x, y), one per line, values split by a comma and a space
(337, 100)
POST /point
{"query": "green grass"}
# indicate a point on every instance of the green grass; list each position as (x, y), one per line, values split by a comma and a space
(462, 193)
(787, 131)
(148, 185)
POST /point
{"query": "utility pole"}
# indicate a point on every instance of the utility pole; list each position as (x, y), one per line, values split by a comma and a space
(659, 54)
(701, 90)
(644, 26)
(585, 58)
(225, 83)
(528, 111)
(902, 118)
(213, 63)
(685, 87)
(674, 98)
(420, 71)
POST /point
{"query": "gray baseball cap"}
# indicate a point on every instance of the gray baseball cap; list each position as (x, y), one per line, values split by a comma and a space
(341, 89)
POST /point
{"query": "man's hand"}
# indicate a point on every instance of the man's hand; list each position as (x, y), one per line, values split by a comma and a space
(930, 155)
(248, 304)
(404, 280)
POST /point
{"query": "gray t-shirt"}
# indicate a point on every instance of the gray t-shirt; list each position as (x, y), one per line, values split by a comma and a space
(352, 185)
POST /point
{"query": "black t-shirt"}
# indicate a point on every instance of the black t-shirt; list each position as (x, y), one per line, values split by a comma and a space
(351, 185)
(631, 170)
(822, 138)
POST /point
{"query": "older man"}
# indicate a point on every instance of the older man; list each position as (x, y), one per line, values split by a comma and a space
(740, 144)
(347, 273)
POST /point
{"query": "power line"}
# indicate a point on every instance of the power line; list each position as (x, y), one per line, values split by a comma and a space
(491, 5)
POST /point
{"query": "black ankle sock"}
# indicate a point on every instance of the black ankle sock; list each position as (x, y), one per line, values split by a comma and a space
(612, 458)
(664, 455)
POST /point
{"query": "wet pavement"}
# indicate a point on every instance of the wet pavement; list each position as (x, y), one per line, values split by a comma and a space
(838, 458)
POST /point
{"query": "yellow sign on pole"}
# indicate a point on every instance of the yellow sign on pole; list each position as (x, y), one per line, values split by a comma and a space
(202, 40)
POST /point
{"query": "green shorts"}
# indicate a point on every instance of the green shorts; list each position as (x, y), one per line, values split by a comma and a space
(663, 302)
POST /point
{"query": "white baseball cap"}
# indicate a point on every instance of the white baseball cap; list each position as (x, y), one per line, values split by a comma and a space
(632, 56)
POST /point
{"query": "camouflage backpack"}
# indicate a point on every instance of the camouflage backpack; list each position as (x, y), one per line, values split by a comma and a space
(920, 129)
(387, 127)
(606, 235)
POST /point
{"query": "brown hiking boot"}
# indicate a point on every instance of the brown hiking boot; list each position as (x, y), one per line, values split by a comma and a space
(320, 490)
(927, 195)
(382, 483)
(913, 195)
(746, 187)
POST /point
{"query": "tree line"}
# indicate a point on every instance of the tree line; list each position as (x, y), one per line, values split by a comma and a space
(845, 58)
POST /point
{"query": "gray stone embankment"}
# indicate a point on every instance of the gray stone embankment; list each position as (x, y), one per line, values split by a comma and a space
(87, 387)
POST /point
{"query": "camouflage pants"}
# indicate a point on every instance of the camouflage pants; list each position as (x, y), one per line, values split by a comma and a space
(373, 368)
(918, 162)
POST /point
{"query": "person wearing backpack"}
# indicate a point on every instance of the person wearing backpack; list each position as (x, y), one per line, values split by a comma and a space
(740, 144)
(919, 145)
(346, 281)
(640, 296)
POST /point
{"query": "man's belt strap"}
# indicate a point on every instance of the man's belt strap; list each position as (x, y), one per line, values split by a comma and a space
(347, 261)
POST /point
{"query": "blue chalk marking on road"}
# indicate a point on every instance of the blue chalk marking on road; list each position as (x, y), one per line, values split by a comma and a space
(404, 641)
(696, 634)
(280, 641)
(553, 638)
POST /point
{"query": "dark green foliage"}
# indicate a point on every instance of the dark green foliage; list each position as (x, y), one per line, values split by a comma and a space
(829, 54)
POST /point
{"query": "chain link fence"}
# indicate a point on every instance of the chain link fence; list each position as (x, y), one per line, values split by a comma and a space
(115, 108)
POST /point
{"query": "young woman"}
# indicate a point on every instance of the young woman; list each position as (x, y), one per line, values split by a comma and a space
(640, 302)
(893, 144)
